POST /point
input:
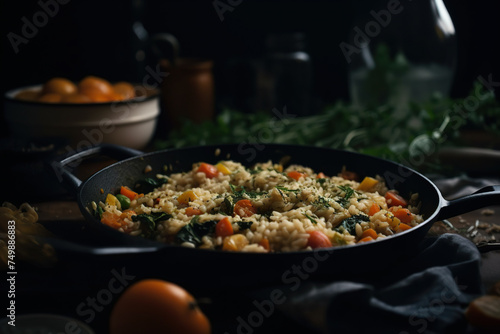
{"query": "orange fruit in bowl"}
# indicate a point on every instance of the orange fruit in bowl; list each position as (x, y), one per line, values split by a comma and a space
(124, 89)
(157, 306)
(96, 95)
(50, 98)
(116, 97)
(76, 98)
(28, 95)
(59, 86)
(91, 85)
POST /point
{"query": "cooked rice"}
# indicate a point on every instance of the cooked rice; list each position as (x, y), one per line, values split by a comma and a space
(287, 209)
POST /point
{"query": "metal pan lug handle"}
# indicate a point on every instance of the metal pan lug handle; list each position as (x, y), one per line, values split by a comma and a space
(484, 197)
(62, 167)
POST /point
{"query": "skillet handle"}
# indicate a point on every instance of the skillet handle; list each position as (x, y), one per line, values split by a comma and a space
(62, 167)
(486, 196)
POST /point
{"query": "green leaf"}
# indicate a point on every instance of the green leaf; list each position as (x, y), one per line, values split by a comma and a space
(243, 225)
(149, 222)
(227, 205)
(194, 231)
(149, 184)
(349, 224)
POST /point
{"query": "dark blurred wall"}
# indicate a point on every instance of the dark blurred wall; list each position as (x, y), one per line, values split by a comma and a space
(94, 37)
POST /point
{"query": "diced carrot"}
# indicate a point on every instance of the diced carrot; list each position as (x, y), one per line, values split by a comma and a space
(367, 183)
(224, 228)
(129, 193)
(394, 199)
(321, 175)
(403, 227)
(244, 208)
(295, 175)
(369, 233)
(265, 244)
(193, 212)
(111, 219)
(210, 170)
(404, 215)
(365, 239)
(318, 239)
(374, 209)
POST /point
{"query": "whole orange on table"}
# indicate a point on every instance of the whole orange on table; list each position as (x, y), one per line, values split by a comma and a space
(157, 306)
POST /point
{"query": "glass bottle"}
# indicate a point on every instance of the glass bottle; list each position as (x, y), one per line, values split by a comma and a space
(400, 52)
(284, 77)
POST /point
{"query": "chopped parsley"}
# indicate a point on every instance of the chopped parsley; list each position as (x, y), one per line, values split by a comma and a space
(348, 193)
(287, 190)
(227, 206)
(321, 181)
(256, 170)
(243, 193)
(313, 220)
(322, 202)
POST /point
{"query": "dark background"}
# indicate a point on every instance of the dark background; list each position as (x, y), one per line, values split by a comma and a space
(94, 38)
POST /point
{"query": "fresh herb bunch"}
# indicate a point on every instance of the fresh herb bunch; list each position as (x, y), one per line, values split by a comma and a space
(385, 131)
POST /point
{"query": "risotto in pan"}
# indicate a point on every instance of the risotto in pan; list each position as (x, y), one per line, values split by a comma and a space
(265, 208)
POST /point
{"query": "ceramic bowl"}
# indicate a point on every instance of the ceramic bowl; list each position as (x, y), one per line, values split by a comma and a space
(130, 123)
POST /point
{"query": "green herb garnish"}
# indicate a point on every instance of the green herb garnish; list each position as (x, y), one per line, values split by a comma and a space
(423, 127)
(321, 181)
(287, 190)
(256, 170)
(227, 206)
(243, 193)
(348, 193)
(310, 218)
(321, 202)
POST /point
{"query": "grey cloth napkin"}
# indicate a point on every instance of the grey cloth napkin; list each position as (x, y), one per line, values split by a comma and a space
(426, 294)
(460, 186)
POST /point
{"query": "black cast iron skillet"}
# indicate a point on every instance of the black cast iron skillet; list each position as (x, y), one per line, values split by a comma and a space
(277, 267)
